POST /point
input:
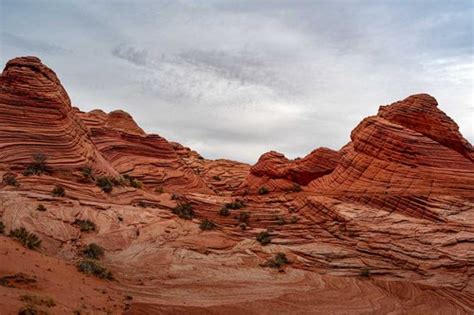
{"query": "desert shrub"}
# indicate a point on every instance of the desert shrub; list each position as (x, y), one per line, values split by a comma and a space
(135, 183)
(105, 184)
(2, 227)
(58, 191)
(364, 272)
(237, 204)
(85, 225)
(264, 238)
(159, 190)
(278, 261)
(243, 226)
(216, 177)
(142, 204)
(243, 217)
(87, 174)
(184, 211)
(281, 220)
(93, 251)
(38, 166)
(175, 196)
(41, 207)
(29, 240)
(10, 179)
(224, 211)
(207, 225)
(37, 300)
(93, 267)
(294, 219)
(263, 191)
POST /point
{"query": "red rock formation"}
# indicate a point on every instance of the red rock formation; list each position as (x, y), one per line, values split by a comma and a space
(386, 223)
(130, 151)
(276, 173)
(36, 116)
(397, 164)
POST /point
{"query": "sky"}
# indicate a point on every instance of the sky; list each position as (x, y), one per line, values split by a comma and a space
(235, 79)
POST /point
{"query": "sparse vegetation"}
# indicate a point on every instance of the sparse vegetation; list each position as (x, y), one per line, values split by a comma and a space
(237, 204)
(10, 179)
(58, 191)
(277, 262)
(207, 225)
(281, 220)
(159, 190)
(243, 217)
(184, 211)
(38, 166)
(243, 226)
(37, 300)
(142, 204)
(41, 208)
(105, 184)
(93, 251)
(224, 211)
(135, 183)
(87, 174)
(2, 227)
(216, 177)
(264, 238)
(294, 219)
(364, 272)
(29, 240)
(263, 190)
(85, 225)
(93, 267)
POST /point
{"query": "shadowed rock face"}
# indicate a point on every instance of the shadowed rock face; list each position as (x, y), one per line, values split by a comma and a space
(384, 224)
(276, 173)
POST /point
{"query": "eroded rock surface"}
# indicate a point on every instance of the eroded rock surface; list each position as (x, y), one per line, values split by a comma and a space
(384, 225)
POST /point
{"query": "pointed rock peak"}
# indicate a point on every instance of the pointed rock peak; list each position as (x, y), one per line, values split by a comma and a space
(420, 113)
(29, 78)
(35, 65)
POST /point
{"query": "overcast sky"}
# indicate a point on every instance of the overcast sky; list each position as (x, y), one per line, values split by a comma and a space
(234, 79)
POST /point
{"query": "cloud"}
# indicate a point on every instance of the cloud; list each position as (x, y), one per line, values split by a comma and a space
(235, 79)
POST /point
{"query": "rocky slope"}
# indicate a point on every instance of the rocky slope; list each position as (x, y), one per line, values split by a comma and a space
(385, 225)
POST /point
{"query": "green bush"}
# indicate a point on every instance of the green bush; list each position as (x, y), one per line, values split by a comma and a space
(38, 166)
(10, 179)
(36, 300)
(2, 227)
(216, 177)
(264, 238)
(281, 220)
(135, 183)
(237, 204)
(41, 208)
(85, 225)
(58, 191)
(263, 191)
(93, 251)
(87, 174)
(207, 225)
(29, 240)
(243, 217)
(105, 184)
(364, 272)
(224, 211)
(278, 261)
(294, 219)
(184, 211)
(93, 267)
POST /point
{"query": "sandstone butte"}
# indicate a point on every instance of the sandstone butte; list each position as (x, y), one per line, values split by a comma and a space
(384, 225)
